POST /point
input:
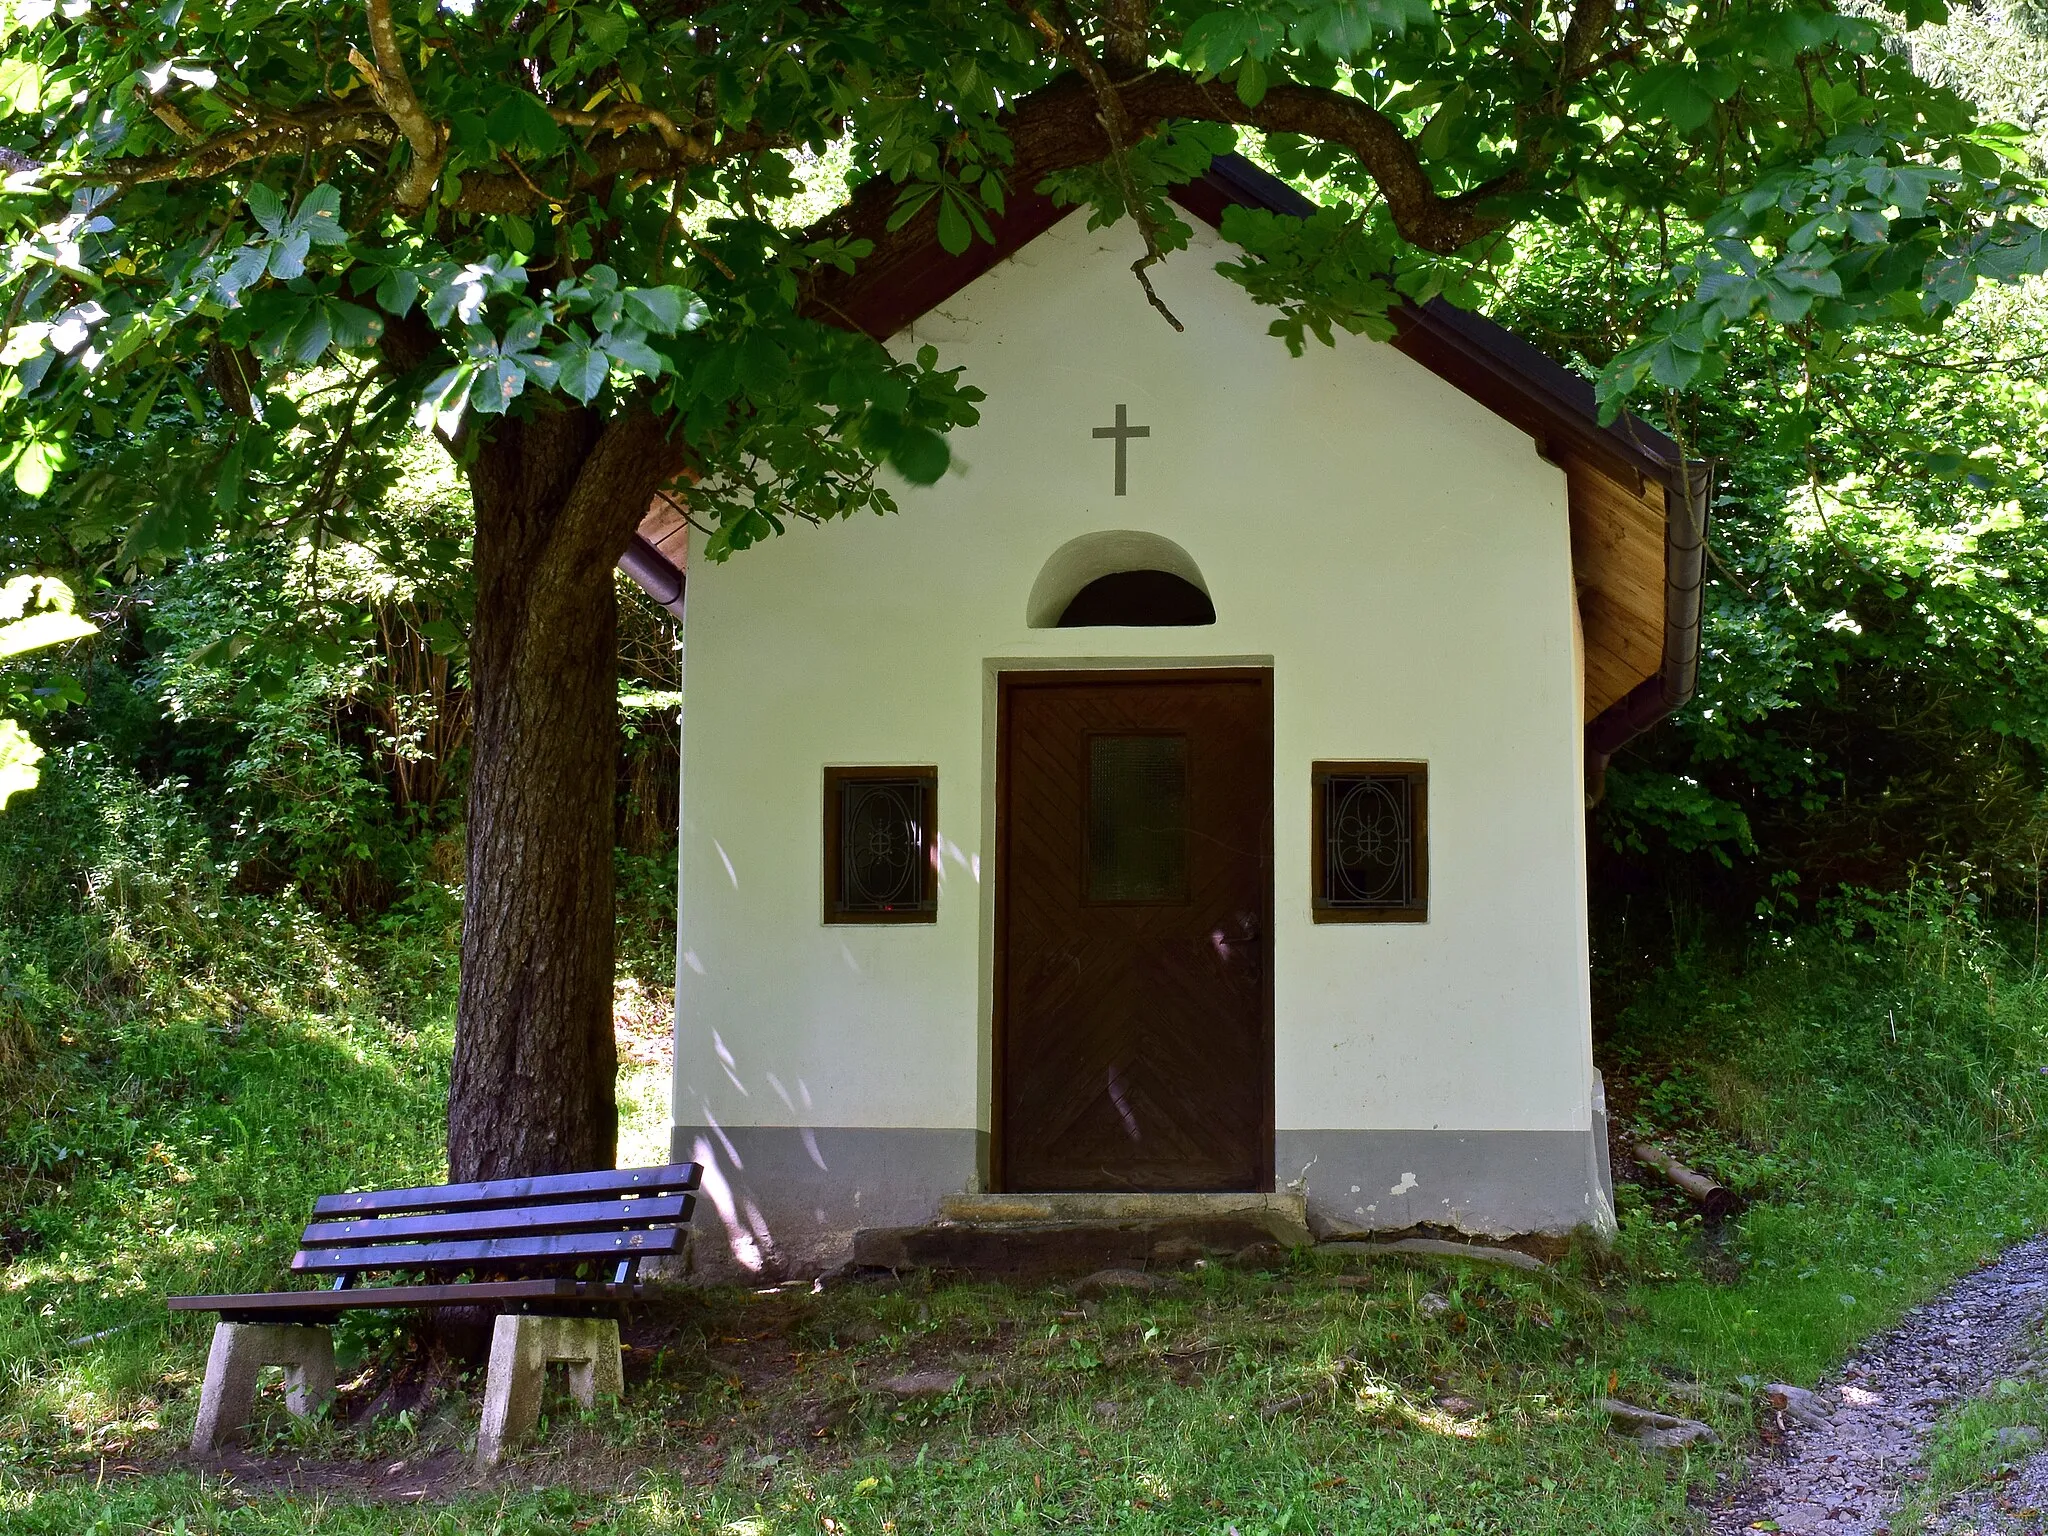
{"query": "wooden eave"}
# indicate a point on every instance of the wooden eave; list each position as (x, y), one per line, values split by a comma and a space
(659, 553)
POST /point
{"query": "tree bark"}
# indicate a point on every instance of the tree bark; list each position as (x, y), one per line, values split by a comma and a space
(557, 497)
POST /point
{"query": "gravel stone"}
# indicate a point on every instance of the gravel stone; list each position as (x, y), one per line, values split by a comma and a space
(1844, 1475)
(2018, 1437)
(1809, 1408)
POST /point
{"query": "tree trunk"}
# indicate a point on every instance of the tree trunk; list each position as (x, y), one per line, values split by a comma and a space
(557, 497)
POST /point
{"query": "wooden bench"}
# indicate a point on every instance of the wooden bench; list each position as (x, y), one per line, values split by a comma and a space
(507, 1232)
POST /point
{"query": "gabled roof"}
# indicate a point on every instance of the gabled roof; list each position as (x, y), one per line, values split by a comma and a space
(1638, 506)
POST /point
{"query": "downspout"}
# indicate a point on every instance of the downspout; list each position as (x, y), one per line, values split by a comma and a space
(1685, 558)
(655, 573)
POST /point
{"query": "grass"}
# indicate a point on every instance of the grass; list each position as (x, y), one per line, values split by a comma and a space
(1874, 1090)
(1964, 1455)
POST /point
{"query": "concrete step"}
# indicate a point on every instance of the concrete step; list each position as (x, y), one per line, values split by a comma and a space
(1051, 1234)
(1287, 1211)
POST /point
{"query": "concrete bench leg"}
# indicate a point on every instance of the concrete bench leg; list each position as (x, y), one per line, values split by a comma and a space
(240, 1351)
(522, 1348)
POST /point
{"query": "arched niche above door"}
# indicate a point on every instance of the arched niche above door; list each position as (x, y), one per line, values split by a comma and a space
(1119, 576)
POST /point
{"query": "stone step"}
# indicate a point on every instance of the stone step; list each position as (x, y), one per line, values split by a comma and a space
(1283, 1212)
(1051, 1234)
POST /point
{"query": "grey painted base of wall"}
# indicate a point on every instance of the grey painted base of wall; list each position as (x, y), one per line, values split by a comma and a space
(1488, 1183)
(783, 1201)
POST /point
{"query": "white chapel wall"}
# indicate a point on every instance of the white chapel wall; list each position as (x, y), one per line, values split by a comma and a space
(1397, 554)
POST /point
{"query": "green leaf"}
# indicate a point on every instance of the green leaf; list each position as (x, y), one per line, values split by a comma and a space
(582, 370)
(267, 208)
(628, 346)
(497, 385)
(244, 267)
(1434, 142)
(604, 32)
(1251, 81)
(920, 455)
(311, 335)
(1214, 42)
(1674, 360)
(21, 85)
(1678, 94)
(1341, 30)
(444, 397)
(955, 233)
(319, 216)
(354, 327)
(909, 201)
(397, 292)
(521, 120)
(36, 466)
(664, 311)
(18, 759)
(763, 365)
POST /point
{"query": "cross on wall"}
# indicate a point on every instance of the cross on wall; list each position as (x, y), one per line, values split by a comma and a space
(1123, 432)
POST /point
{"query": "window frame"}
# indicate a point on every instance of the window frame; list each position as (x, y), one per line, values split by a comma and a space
(926, 909)
(1416, 908)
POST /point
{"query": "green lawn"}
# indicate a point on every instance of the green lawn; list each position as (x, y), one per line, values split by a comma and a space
(1880, 1103)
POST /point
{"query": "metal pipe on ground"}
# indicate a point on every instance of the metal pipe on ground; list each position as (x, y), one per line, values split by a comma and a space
(1714, 1200)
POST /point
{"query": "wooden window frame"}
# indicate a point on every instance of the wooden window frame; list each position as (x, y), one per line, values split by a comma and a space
(1416, 908)
(927, 908)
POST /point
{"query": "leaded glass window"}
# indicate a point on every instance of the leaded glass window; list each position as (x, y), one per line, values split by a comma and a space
(1371, 842)
(881, 845)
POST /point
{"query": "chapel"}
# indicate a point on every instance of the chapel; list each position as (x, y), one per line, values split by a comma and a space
(1188, 792)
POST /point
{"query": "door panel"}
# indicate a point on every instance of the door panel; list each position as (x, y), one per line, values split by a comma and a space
(1135, 818)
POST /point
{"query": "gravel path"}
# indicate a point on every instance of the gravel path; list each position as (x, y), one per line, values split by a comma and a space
(1845, 1474)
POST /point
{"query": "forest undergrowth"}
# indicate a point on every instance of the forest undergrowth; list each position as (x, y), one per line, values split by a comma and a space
(185, 1067)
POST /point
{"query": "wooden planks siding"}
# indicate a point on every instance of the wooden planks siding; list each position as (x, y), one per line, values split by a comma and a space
(1618, 564)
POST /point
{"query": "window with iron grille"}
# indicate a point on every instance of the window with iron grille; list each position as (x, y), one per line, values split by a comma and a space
(1371, 855)
(881, 845)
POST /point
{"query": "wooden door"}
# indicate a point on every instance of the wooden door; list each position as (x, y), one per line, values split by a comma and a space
(1133, 912)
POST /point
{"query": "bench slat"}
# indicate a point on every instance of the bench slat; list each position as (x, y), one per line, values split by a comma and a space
(588, 1216)
(496, 1250)
(672, 1178)
(408, 1296)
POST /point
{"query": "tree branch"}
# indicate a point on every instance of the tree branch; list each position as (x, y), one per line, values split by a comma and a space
(1126, 37)
(308, 131)
(168, 114)
(630, 115)
(1067, 42)
(392, 86)
(1060, 126)
(1589, 24)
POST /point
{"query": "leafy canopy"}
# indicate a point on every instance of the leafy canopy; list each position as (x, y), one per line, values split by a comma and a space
(35, 613)
(254, 244)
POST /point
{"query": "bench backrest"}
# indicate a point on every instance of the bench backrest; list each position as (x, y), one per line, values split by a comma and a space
(617, 1216)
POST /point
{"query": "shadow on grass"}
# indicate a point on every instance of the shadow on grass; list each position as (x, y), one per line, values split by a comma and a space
(181, 1157)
